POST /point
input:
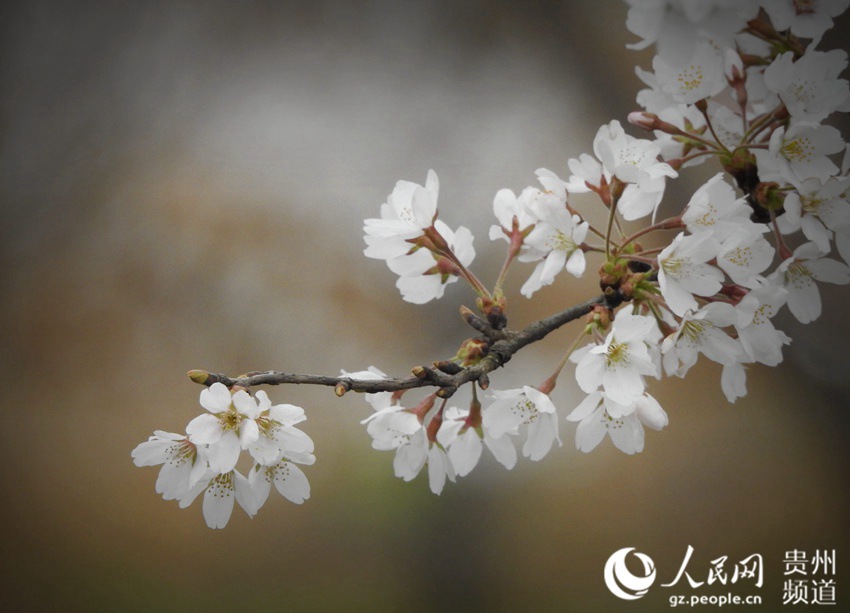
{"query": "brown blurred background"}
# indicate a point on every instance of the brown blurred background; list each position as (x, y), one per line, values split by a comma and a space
(183, 186)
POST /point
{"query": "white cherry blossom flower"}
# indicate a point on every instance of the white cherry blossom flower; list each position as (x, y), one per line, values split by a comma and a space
(809, 87)
(683, 271)
(523, 407)
(656, 100)
(439, 468)
(702, 332)
(555, 241)
(799, 153)
(228, 428)
(220, 491)
(598, 415)
(633, 161)
(289, 480)
(392, 427)
(184, 464)
(586, 171)
(414, 452)
(809, 19)
(409, 209)
(552, 184)
(715, 208)
(411, 455)
(423, 275)
(508, 207)
(277, 435)
(621, 362)
(743, 255)
(820, 210)
(798, 274)
(759, 338)
(677, 26)
(691, 78)
(220, 495)
(463, 442)
(398, 428)
(630, 159)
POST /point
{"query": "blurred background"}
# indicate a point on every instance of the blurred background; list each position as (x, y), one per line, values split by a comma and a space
(183, 186)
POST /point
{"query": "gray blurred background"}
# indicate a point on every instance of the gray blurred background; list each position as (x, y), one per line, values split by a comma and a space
(183, 186)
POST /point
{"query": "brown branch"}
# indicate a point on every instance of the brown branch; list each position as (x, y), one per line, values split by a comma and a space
(505, 344)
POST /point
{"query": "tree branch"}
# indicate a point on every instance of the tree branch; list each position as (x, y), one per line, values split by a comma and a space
(504, 344)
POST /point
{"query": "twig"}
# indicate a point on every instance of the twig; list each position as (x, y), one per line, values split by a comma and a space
(505, 344)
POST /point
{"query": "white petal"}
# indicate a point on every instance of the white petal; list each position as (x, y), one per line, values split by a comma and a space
(152, 452)
(246, 496)
(218, 501)
(291, 482)
(465, 452)
(216, 398)
(502, 449)
(245, 404)
(261, 485)
(224, 454)
(204, 429)
(590, 431)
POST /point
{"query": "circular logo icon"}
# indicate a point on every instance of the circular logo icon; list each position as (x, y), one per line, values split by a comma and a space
(620, 580)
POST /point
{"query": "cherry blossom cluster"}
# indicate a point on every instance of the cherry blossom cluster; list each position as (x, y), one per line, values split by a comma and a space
(737, 83)
(452, 441)
(732, 81)
(205, 458)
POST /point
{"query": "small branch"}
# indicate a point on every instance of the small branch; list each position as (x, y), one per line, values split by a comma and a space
(505, 344)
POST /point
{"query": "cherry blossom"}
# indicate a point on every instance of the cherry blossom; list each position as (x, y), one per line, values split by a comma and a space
(633, 161)
(289, 480)
(529, 407)
(229, 426)
(743, 255)
(702, 332)
(798, 274)
(691, 78)
(599, 416)
(800, 153)
(423, 275)
(809, 87)
(808, 19)
(683, 271)
(556, 242)
(620, 363)
(715, 208)
(409, 209)
(184, 464)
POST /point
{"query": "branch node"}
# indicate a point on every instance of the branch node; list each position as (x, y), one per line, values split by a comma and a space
(446, 392)
(475, 321)
(448, 367)
(422, 372)
(203, 377)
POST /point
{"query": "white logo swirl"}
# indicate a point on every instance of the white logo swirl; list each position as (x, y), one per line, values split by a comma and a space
(619, 579)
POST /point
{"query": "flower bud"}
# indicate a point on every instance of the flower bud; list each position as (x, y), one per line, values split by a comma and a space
(643, 120)
(202, 377)
(448, 367)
